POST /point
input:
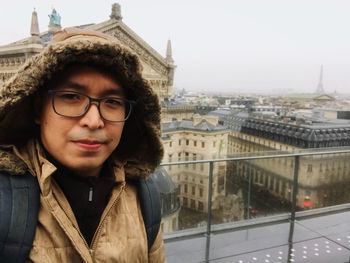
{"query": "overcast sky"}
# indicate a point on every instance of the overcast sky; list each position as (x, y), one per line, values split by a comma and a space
(224, 45)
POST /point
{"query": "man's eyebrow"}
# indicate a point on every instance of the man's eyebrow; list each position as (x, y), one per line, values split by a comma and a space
(73, 85)
(83, 88)
(113, 91)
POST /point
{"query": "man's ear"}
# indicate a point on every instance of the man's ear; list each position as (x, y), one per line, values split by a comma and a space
(37, 108)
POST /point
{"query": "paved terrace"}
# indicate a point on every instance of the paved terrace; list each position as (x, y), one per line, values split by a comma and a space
(317, 236)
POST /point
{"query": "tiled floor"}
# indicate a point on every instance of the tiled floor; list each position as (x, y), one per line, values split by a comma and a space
(321, 239)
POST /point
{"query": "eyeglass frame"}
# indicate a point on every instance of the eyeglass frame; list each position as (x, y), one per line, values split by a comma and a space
(98, 100)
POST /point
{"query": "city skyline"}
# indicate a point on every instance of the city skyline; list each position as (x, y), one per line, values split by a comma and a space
(238, 46)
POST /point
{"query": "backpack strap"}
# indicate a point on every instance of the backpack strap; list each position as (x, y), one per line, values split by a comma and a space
(19, 206)
(150, 206)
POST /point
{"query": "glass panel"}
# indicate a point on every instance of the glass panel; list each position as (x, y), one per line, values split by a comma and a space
(192, 194)
(248, 189)
(323, 181)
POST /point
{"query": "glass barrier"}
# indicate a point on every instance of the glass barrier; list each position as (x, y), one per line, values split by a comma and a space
(242, 188)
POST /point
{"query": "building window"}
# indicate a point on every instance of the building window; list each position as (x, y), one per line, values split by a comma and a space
(193, 204)
(193, 190)
(195, 143)
(309, 168)
(187, 142)
(201, 192)
(203, 144)
(179, 142)
(214, 144)
(200, 206)
(170, 144)
(185, 188)
(185, 201)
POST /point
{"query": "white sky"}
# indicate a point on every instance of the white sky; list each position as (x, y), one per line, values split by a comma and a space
(224, 45)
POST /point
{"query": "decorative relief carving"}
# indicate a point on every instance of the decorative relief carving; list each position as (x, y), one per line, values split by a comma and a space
(6, 62)
(6, 76)
(139, 50)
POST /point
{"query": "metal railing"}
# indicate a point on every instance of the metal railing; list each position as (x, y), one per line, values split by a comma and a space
(292, 215)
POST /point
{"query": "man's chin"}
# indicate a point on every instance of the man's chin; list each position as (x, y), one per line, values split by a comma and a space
(86, 169)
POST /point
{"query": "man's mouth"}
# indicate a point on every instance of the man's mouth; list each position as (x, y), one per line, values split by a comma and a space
(89, 145)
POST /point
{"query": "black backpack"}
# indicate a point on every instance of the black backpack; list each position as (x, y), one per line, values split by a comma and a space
(19, 206)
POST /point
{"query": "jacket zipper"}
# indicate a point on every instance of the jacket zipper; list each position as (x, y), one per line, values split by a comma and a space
(97, 232)
(90, 194)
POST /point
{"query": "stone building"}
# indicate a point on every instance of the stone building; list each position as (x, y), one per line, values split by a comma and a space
(323, 179)
(201, 138)
(172, 110)
(157, 69)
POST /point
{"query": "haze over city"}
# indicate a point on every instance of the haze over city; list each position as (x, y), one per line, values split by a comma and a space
(222, 46)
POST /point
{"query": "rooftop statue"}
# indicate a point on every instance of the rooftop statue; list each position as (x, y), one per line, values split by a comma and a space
(116, 12)
(55, 18)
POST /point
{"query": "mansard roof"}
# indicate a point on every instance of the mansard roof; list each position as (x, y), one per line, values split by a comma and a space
(203, 126)
(297, 134)
(163, 181)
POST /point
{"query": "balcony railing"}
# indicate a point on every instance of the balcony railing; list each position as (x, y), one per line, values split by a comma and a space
(230, 194)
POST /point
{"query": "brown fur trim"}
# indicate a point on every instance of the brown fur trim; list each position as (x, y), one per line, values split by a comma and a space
(11, 163)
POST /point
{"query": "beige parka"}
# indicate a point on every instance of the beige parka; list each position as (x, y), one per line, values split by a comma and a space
(121, 235)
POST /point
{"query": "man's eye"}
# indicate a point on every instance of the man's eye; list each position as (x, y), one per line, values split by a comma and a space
(69, 96)
(114, 102)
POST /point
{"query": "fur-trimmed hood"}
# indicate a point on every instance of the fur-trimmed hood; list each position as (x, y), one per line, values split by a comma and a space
(140, 146)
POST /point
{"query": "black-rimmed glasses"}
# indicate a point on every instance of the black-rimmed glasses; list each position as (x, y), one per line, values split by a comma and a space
(74, 104)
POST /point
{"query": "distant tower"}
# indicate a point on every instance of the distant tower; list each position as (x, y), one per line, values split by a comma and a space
(34, 29)
(320, 89)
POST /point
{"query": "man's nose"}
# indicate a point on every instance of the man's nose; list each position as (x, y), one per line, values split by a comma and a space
(92, 118)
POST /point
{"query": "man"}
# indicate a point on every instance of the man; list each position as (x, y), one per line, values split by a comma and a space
(81, 119)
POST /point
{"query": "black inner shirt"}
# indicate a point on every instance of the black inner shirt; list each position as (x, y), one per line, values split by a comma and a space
(87, 196)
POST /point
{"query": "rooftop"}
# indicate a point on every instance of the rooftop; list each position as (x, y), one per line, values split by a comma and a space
(189, 125)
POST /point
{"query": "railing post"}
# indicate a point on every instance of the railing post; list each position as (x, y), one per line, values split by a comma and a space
(295, 187)
(210, 193)
(249, 188)
(294, 198)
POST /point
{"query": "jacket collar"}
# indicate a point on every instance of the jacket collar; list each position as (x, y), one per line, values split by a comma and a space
(33, 157)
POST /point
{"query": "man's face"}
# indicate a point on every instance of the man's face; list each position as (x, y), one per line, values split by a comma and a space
(81, 144)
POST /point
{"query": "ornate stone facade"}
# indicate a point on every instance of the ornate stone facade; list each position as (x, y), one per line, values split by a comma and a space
(157, 69)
